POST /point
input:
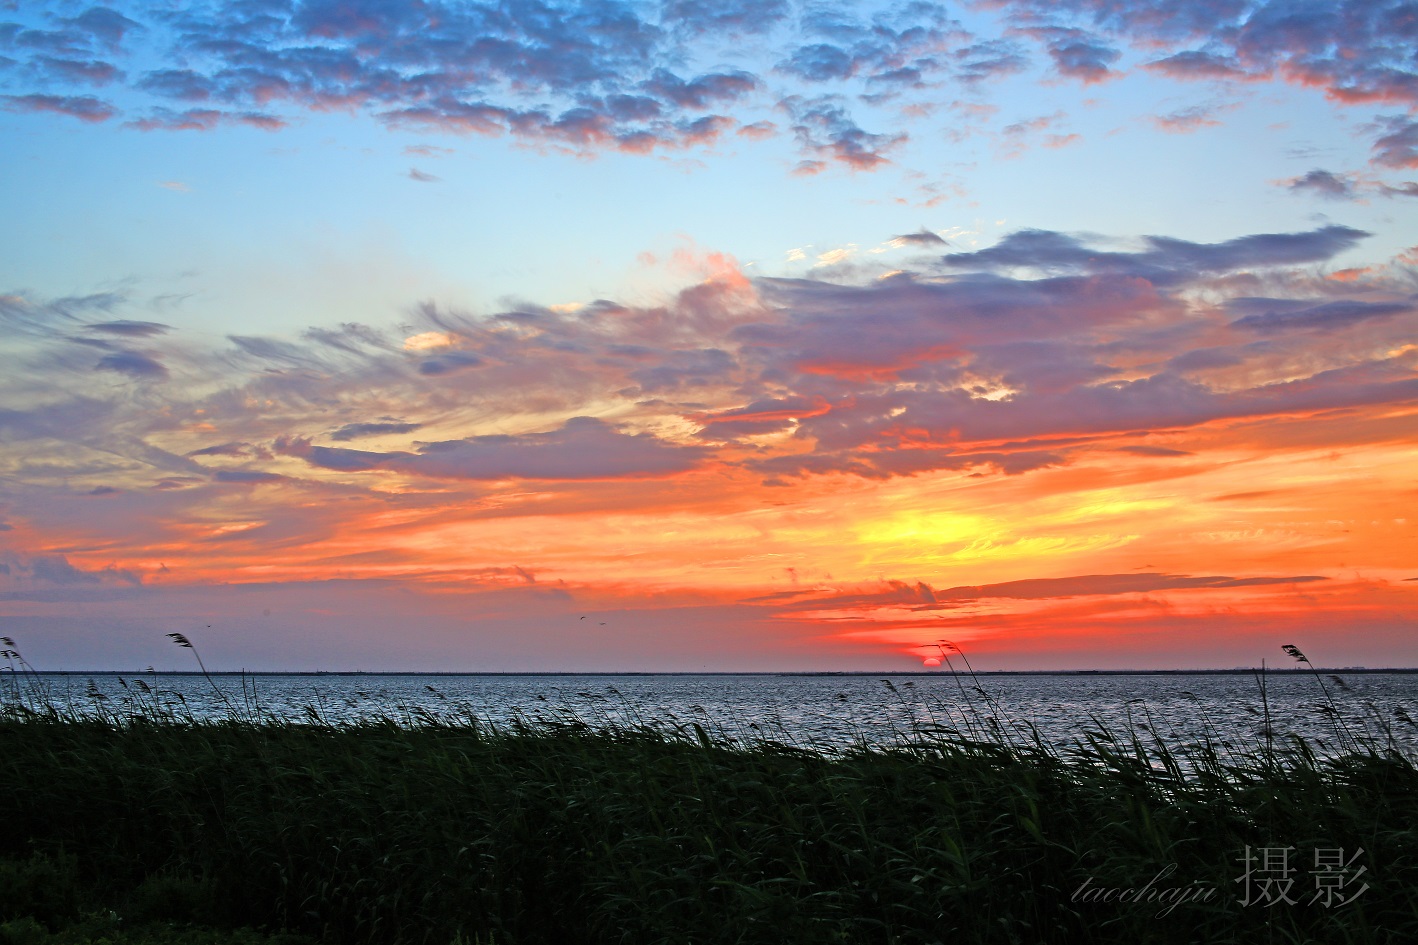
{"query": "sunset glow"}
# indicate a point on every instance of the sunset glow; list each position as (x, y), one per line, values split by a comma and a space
(727, 336)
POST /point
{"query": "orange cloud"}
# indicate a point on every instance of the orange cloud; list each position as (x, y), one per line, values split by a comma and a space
(1048, 449)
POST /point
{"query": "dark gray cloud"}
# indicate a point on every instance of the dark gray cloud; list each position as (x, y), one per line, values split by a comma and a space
(730, 18)
(1357, 52)
(1158, 451)
(272, 350)
(705, 91)
(104, 24)
(1326, 316)
(912, 374)
(872, 463)
(1077, 53)
(56, 569)
(584, 448)
(1001, 361)
(1405, 189)
(448, 363)
(246, 476)
(95, 31)
(922, 237)
(922, 596)
(1398, 147)
(824, 128)
(128, 328)
(181, 84)
(204, 119)
(354, 431)
(893, 324)
(83, 107)
(134, 364)
(1199, 64)
(611, 74)
(1093, 584)
(1326, 184)
(1165, 261)
(910, 46)
(1202, 359)
(992, 59)
(461, 67)
(678, 369)
(819, 62)
(905, 426)
(81, 594)
(586, 76)
(75, 71)
(224, 449)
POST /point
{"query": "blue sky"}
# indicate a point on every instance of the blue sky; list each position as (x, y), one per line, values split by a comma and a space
(563, 220)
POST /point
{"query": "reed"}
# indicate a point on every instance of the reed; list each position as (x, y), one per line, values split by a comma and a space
(441, 828)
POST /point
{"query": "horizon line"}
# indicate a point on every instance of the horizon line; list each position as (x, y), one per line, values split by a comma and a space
(1237, 670)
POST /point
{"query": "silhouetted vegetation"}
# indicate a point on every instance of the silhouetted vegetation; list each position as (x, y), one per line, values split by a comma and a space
(137, 827)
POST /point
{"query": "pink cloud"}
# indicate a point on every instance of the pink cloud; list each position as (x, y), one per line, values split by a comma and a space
(83, 107)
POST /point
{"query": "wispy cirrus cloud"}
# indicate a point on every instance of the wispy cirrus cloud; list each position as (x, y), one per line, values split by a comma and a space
(922, 596)
(582, 448)
(1199, 64)
(355, 431)
(1192, 118)
(873, 418)
(1013, 358)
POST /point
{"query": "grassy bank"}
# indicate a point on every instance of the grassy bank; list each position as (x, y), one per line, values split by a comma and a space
(561, 833)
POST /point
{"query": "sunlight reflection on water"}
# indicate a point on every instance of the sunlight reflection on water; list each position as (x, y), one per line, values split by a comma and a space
(822, 711)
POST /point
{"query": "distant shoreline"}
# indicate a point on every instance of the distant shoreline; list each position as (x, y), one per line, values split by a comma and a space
(1240, 671)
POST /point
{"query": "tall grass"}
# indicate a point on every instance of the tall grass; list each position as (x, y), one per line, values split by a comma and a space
(440, 828)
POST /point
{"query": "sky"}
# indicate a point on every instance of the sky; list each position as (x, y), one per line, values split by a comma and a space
(732, 336)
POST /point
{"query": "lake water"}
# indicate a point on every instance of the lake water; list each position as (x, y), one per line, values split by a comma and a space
(821, 711)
